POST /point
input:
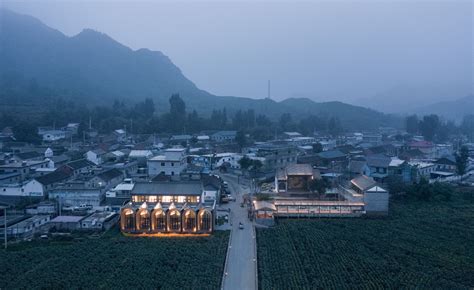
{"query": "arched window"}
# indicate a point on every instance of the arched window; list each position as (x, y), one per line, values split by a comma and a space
(189, 221)
(205, 220)
(128, 220)
(174, 220)
(143, 219)
(159, 220)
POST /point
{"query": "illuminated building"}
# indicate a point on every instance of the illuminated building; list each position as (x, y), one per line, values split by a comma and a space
(168, 207)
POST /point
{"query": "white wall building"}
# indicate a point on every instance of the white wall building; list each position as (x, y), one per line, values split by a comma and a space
(53, 135)
(173, 162)
(95, 156)
(31, 188)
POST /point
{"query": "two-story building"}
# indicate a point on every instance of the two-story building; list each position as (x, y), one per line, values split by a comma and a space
(168, 207)
(171, 163)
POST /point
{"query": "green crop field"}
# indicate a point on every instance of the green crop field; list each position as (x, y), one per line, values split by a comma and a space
(114, 261)
(420, 245)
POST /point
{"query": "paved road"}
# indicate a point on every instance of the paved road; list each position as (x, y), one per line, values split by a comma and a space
(241, 260)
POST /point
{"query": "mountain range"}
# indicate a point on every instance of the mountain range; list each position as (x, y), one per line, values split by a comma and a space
(451, 110)
(93, 68)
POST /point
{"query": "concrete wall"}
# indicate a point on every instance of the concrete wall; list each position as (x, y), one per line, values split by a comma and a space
(376, 202)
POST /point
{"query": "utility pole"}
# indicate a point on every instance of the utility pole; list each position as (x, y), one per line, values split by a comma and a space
(4, 208)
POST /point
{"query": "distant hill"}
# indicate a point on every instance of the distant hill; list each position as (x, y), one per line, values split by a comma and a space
(38, 63)
(407, 98)
(452, 110)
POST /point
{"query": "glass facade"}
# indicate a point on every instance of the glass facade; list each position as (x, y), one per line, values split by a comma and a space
(166, 198)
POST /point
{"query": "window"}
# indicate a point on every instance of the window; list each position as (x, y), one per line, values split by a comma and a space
(174, 218)
(166, 198)
(189, 221)
(162, 164)
(205, 221)
(172, 172)
(172, 163)
(144, 221)
(128, 223)
(160, 220)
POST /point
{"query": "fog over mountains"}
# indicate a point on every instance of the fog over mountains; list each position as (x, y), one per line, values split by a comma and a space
(93, 68)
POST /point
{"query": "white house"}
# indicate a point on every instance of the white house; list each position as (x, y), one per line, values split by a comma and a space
(27, 227)
(53, 135)
(48, 153)
(376, 200)
(31, 188)
(140, 154)
(173, 162)
(222, 136)
(423, 169)
(96, 156)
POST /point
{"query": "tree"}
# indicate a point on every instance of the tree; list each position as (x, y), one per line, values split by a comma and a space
(395, 185)
(412, 124)
(263, 121)
(318, 185)
(461, 160)
(25, 131)
(177, 116)
(317, 147)
(245, 162)
(467, 126)
(256, 165)
(177, 106)
(285, 121)
(429, 126)
(241, 139)
(238, 121)
(334, 126)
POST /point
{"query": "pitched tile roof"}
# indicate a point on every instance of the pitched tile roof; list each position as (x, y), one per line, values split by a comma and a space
(53, 177)
(168, 188)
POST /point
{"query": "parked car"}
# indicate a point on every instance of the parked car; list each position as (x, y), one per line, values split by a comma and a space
(83, 207)
(241, 226)
(67, 208)
(230, 198)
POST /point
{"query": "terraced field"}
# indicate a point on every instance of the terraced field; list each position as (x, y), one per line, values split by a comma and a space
(420, 245)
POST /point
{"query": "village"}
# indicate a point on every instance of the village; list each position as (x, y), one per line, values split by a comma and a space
(179, 184)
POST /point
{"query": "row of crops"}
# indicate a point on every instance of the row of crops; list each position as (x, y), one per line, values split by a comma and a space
(420, 245)
(114, 261)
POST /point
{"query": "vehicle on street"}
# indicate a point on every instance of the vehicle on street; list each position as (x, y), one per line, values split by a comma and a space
(241, 226)
(83, 207)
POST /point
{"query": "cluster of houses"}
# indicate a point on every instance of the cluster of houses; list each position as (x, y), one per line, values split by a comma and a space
(159, 184)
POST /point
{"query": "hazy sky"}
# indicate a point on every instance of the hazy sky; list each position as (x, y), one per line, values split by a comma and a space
(339, 49)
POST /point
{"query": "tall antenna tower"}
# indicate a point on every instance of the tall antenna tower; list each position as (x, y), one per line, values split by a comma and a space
(268, 89)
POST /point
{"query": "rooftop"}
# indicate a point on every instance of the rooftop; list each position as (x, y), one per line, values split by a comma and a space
(168, 188)
(67, 219)
(363, 182)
